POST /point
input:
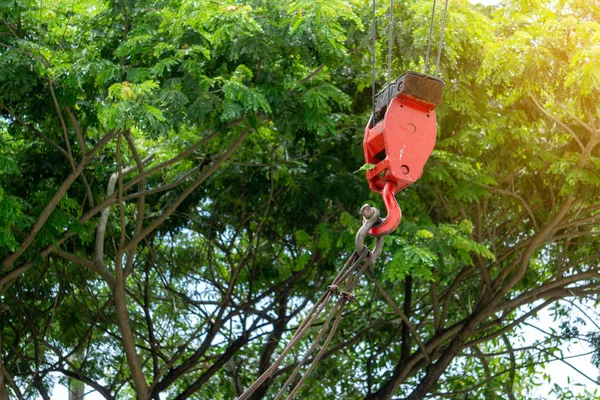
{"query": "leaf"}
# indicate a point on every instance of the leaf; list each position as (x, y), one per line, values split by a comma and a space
(424, 234)
(466, 226)
(7, 239)
(153, 114)
(302, 261)
(365, 167)
(302, 238)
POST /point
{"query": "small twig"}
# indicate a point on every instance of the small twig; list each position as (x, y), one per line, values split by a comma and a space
(312, 74)
(62, 123)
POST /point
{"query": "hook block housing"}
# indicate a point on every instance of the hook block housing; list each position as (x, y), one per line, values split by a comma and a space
(400, 137)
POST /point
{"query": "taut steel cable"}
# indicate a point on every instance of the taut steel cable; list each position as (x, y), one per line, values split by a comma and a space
(374, 38)
(390, 45)
(441, 45)
(429, 37)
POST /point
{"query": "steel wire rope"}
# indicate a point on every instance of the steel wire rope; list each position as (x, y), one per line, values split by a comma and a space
(390, 45)
(373, 60)
(441, 45)
(312, 348)
(429, 37)
(338, 307)
(300, 331)
(344, 275)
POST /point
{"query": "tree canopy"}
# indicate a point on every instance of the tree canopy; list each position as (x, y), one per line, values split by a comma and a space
(180, 181)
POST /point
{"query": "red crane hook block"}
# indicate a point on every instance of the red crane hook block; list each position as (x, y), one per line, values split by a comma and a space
(399, 138)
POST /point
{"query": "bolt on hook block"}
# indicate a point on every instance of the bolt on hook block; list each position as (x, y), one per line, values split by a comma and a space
(399, 138)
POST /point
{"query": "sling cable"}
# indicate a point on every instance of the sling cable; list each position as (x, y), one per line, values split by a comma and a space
(399, 138)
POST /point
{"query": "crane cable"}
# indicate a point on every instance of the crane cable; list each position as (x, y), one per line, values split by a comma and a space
(441, 43)
(390, 46)
(357, 263)
(429, 37)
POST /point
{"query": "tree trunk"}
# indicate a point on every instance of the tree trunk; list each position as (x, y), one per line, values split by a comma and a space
(3, 389)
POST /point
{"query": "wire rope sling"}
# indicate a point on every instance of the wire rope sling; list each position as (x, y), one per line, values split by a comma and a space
(399, 137)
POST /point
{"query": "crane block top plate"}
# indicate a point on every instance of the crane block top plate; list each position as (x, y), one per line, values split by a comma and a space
(423, 88)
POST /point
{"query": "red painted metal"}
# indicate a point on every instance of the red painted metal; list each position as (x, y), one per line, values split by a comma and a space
(399, 146)
(394, 214)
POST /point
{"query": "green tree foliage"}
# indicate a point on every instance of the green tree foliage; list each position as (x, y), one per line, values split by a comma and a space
(181, 179)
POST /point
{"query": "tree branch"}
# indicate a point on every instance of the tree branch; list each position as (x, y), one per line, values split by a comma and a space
(553, 118)
(60, 193)
(216, 164)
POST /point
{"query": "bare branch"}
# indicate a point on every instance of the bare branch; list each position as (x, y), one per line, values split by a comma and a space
(127, 338)
(141, 203)
(60, 193)
(592, 120)
(579, 121)
(101, 229)
(9, 277)
(518, 197)
(553, 118)
(62, 124)
(101, 269)
(216, 164)
(312, 74)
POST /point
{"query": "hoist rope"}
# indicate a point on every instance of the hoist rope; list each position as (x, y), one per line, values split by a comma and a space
(373, 70)
(441, 45)
(429, 37)
(390, 45)
(348, 276)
